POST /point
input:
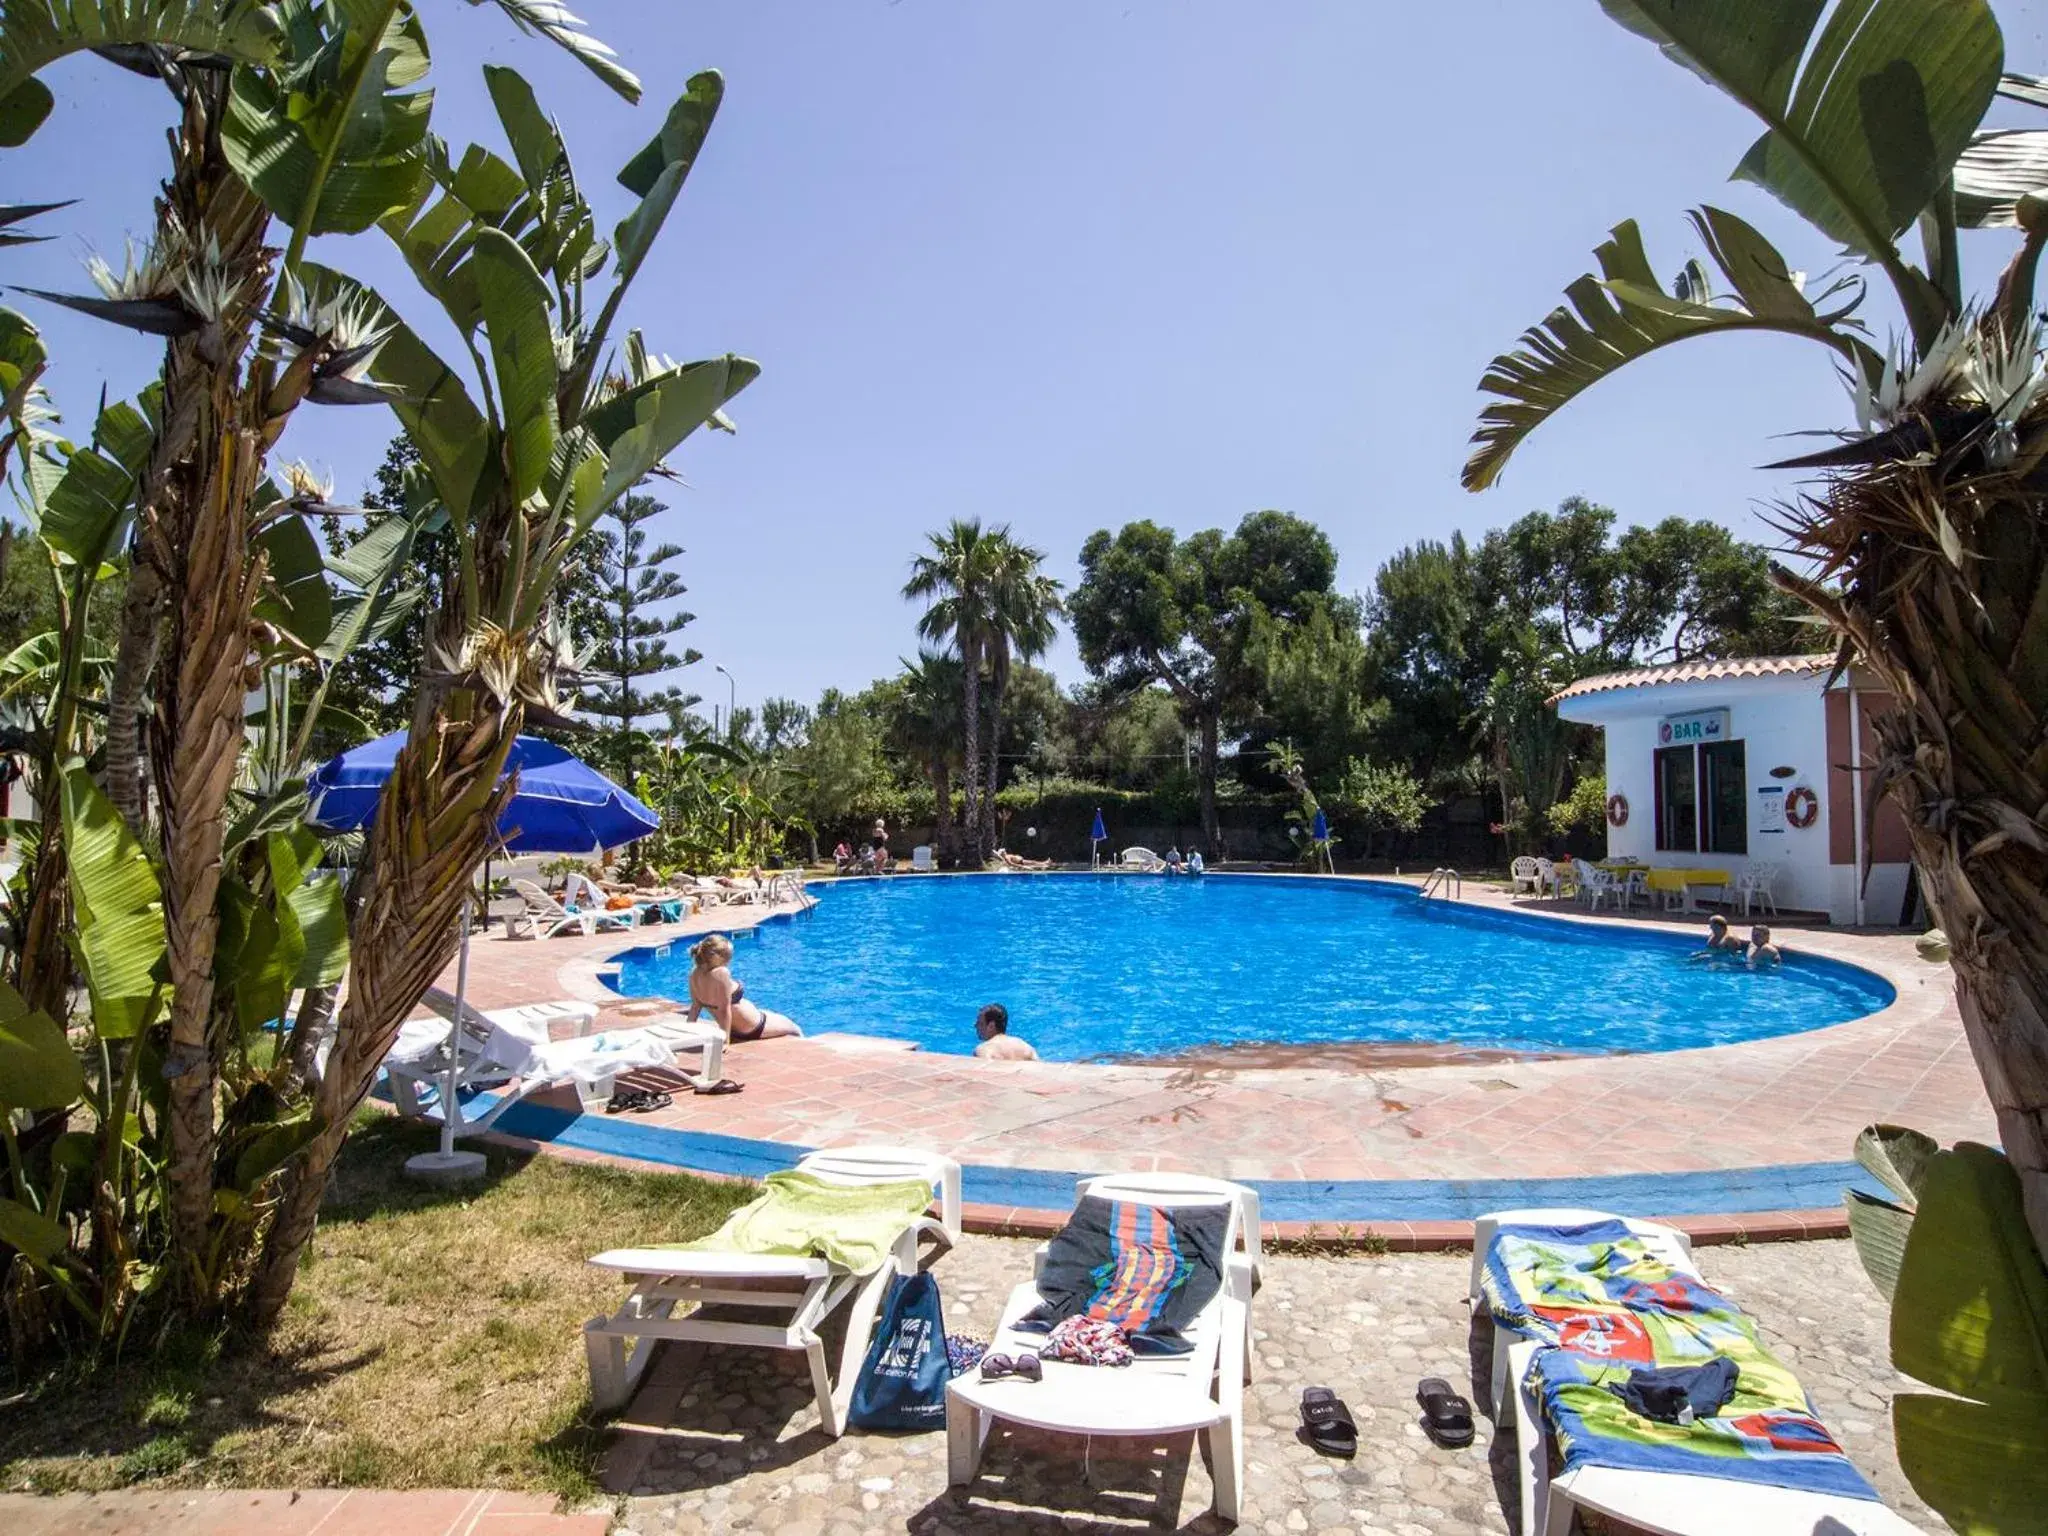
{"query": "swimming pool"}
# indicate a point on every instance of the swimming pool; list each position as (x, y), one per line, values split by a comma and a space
(1094, 966)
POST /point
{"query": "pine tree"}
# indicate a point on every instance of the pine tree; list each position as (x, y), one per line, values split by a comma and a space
(632, 636)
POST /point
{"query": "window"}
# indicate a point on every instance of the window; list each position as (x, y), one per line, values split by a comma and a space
(1677, 801)
(1703, 799)
(1724, 799)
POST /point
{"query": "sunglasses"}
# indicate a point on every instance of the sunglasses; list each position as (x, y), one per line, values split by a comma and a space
(1024, 1368)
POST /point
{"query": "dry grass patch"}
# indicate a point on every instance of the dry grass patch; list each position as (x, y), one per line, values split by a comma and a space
(434, 1340)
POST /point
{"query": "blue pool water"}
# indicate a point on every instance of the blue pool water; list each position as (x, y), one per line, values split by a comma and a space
(1094, 966)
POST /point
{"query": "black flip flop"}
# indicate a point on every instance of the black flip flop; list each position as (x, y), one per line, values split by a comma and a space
(1446, 1416)
(1328, 1423)
(723, 1085)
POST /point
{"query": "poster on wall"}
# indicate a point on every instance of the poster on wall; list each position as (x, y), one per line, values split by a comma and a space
(1770, 808)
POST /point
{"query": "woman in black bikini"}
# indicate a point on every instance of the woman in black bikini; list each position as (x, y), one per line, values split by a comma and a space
(713, 991)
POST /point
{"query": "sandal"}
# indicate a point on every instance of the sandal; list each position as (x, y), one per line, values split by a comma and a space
(1446, 1417)
(723, 1085)
(1328, 1423)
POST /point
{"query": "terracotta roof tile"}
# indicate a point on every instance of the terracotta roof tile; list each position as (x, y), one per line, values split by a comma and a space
(1696, 672)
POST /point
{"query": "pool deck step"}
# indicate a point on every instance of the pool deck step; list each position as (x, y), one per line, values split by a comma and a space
(287, 1512)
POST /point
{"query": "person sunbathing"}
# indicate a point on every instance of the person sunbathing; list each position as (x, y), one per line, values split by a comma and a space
(713, 991)
(992, 1024)
(1009, 860)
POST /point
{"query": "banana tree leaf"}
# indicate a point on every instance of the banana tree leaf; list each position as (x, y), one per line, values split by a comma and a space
(561, 26)
(2032, 89)
(1978, 1467)
(36, 33)
(1897, 1157)
(327, 160)
(376, 553)
(313, 900)
(38, 1068)
(119, 937)
(252, 955)
(515, 305)
(1625, 314)
(1970, 1316)
(1880, 1230)
(295, 595)
(657, 417)
(271, 1149)
(658, 171)
(40, 1238)
(454, 440)
(2001, 166)
(36, 659)
(88, 505)
(280, 810)
(1859, 141)
(536, 141)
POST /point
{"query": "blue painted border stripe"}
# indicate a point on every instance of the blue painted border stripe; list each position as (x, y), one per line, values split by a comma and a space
(1780, 1187)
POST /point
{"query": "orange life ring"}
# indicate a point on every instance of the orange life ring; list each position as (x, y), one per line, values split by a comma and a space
(1802, 808)
(1617, 810)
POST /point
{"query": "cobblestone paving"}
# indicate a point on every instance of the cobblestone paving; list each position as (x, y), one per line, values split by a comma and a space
(740, 1450)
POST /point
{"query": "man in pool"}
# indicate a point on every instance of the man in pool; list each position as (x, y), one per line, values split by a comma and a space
(1761, 950)
(997, 1043)
(1721, 944)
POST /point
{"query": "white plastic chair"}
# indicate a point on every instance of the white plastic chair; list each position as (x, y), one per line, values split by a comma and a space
(1523, 873)
(1597, 885)
(1154, 1396)
(1755, 888)
(921, 859)
(1141, 860)
(668, 1288)
(1676, 1504)
(1546, 877)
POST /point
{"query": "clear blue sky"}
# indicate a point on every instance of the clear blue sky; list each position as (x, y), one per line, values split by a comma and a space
(1063, 264)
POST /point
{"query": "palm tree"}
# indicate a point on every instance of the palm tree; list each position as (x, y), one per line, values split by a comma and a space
(958, 581)
(1026, 602)
(1927, 533)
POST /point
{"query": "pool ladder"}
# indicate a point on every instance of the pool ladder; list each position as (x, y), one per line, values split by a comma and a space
(1444, 882)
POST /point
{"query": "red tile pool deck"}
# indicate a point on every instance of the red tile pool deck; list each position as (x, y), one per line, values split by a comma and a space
(1750, 1140)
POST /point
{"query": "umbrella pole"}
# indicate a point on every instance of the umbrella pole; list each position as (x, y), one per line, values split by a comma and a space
(449, 1110)
(448, 1166)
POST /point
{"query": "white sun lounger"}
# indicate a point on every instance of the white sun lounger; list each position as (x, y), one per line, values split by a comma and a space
(549, 917)
(1140, 860)
(669, 1287)
(1672, 1504)
(512, 1048)
(1200, 1392)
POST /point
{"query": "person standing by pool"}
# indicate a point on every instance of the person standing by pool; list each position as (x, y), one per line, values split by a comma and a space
(1761, 950)
(1194, 861)
(997, 1043)
(881, 840)
(713, 991)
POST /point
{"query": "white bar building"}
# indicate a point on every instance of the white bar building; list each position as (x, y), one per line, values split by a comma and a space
(1722, 764)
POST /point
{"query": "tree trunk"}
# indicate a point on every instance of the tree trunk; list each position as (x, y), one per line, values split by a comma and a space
(436, 822)
(134, 660)
(200, 714)
(1212, 828)
(44, 977)
(991, 832)
(971, 751)
(942, 809)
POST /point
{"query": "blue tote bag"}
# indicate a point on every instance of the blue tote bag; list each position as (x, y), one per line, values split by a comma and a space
(902, 1382)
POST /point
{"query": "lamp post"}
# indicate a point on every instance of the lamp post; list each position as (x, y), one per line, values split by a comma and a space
(732, 693)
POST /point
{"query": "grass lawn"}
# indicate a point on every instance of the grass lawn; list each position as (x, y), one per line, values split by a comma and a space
(434, 1339)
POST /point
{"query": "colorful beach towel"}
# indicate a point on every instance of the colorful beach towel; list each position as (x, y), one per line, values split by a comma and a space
(800, 1215)
(1610, 1307)
(1147, 1271)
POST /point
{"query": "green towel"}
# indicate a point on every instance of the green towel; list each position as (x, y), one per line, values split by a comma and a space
(801, 1215)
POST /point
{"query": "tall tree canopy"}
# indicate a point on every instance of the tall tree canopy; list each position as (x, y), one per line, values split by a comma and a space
(634, 618)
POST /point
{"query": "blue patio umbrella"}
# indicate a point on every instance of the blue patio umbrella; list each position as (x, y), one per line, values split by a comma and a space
(1096, 834)
(1321, 830)
(562, 805)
